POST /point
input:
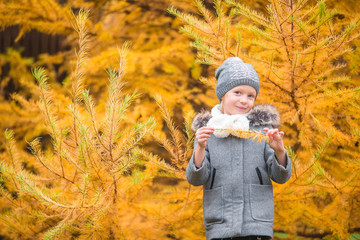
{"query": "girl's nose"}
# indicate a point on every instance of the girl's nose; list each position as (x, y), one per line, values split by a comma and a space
(243, 99)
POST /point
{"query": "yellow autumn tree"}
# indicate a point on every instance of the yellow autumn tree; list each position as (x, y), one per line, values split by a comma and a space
(303, 53)
(84, 182)
(159, 63)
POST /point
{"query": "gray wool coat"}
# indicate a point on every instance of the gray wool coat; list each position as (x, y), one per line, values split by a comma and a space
(235, 175)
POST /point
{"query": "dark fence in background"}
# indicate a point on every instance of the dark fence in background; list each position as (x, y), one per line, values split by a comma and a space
(31, 44)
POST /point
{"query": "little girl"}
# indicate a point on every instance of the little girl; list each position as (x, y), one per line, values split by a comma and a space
(235, 172)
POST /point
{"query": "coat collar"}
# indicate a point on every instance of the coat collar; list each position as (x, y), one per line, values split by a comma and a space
(260, 115)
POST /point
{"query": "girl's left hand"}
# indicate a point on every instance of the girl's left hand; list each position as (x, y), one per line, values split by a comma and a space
(275, 139)
(276, 143)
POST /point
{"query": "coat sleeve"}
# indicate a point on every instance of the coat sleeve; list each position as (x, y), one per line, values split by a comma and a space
(277, 172)
(198, 176)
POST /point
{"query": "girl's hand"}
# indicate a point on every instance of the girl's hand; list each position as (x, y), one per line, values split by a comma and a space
(202, 135)
(276, 143)
(275, 139)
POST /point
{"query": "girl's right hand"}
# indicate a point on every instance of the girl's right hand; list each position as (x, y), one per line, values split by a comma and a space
(202, 135)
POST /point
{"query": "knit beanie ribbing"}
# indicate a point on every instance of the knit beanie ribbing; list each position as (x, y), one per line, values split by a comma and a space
(234, 72)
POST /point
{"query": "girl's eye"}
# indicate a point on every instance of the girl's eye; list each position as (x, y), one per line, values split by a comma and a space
(251, 96)
(237, 92)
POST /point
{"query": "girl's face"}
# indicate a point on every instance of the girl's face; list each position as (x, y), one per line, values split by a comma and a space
(238, 100)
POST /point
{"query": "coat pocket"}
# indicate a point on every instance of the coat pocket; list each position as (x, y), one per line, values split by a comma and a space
(213, 206)
(213, 178)
(262, 202)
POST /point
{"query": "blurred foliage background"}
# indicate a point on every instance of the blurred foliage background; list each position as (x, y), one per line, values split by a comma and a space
(172, 74)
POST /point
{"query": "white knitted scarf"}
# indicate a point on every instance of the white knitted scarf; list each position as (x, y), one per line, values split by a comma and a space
(220, 120)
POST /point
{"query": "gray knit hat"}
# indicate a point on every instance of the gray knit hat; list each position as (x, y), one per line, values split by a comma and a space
(234, 72)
